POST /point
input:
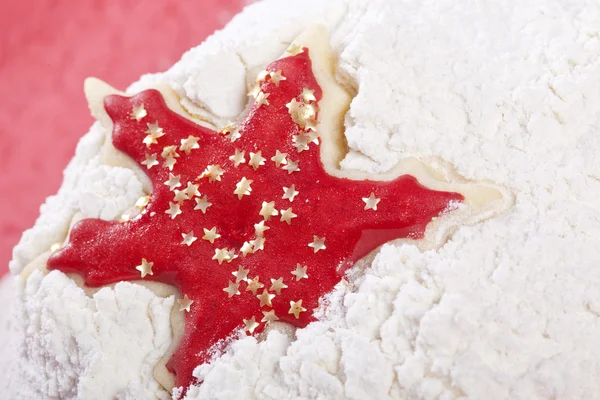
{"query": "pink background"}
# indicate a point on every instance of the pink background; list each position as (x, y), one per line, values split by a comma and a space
(47, 48)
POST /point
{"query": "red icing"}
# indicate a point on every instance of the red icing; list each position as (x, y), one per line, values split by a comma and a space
(105, 252)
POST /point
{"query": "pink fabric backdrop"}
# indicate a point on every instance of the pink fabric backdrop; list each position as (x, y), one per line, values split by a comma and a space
(47, 48)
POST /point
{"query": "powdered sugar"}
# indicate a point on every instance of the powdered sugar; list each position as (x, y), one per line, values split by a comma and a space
(506, 92)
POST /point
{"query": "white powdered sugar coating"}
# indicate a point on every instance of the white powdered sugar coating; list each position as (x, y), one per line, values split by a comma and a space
(505, 92)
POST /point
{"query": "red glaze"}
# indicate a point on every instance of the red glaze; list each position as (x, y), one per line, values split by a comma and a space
(106, 252)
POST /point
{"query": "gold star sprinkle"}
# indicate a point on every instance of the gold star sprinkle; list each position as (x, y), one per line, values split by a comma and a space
(296, 308)
(189, 144)
(228, 128)
(301, 142)
(138, 113)
(211, 235)
(231, 132)
(149, 140)
(173, 182)
(242, 188)
(170, 163)
(241, 274)
(188, 238)
(192, 190)
(246, 248)
(174, 210)
(269, 316)
(231, 255)
(150, 161)
(185, 303)
(213, 172)
(261, 99)
(258, 244)
(142, 202)
(169, 151)
(145, 268)
(124, 218)
(289, 193)
(308, 95)
(262, 75)
(202, 204)
(279, 158)
(265, 298)
(276, 77)
(180, 195)
(277, 285)
(254, 92)
(287, 215)
(260, 228)
(154, 129)
(268, 210)
(371, 202)
(254, 285)
(256, 160)
(238, 158)
(300, 272)
(317, 243)
(232, 289)
(291, 167)
(250, 324)
(295, 49)
(294, 107)
(153, 133)
(221, 255)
